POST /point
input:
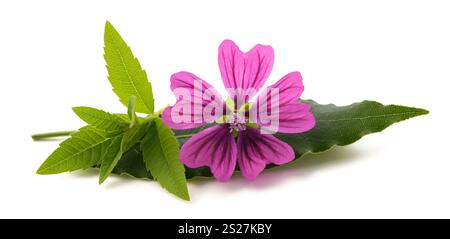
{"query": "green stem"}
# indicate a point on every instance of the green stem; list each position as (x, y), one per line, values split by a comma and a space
(159, 112)
(67, 133)
(51, 135)
(155, 114)
(183, 136)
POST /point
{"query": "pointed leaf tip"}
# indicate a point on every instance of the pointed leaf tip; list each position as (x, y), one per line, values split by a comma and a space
(100, 119)
(424, 111)
(125, 72)
(108, 25)
(110, 158)
(82, 150)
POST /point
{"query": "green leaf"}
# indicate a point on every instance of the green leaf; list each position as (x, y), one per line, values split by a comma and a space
(160, 152)
(346, 124)
(132, 111)
(335, 125)
(125, 73)
(132, 164)
(123, 117)
(134, 135)
(110, 158)
(82, 150)
(99, 118)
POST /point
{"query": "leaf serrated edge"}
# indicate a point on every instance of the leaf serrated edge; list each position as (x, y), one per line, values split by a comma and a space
(112, 32)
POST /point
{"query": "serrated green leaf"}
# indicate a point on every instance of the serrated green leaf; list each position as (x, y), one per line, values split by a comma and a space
(334, 126)
(82, 150)
(124, 117)
(125, 73)
(99, 118)
(110, 158)
(160, 152)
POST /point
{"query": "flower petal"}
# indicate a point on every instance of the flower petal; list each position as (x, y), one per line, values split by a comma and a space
(289, 88)
(255, 150)
(295, 117)
(197, 103)
(244, 73)
(291, 117)
(279, 110)
(214, 147)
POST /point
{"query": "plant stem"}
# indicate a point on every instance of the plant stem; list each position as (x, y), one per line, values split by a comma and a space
(155, 114)
(183, 136)
(67, 133)
(158, 113)
(51, 135)
(42, 136)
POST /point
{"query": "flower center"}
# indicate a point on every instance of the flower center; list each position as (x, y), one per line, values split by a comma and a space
(237, 122)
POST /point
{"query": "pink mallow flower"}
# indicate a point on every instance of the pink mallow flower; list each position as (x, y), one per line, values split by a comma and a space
(239, 139)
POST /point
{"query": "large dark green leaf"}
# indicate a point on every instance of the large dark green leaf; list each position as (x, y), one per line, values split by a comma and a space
(346, 124)
(335, 125)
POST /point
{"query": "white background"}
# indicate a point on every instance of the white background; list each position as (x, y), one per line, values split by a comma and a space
(51, 58)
